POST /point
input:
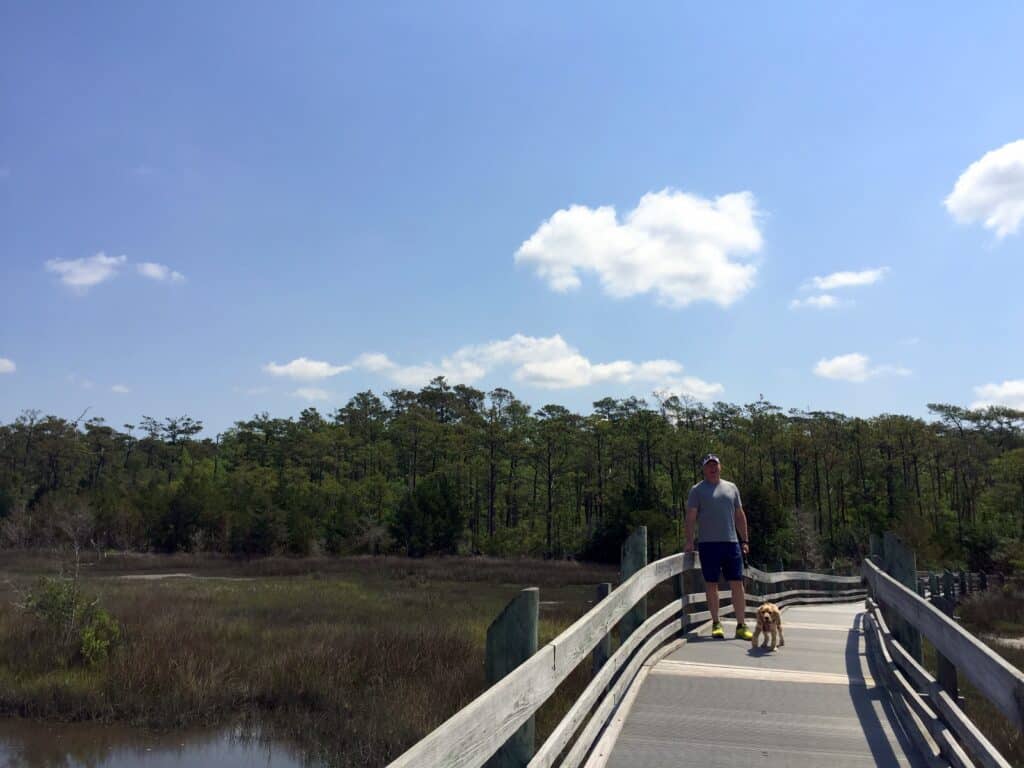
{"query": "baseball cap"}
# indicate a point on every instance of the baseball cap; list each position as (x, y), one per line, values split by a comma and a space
(710, 457)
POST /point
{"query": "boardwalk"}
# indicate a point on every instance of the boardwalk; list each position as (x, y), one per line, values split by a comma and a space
(717, 703)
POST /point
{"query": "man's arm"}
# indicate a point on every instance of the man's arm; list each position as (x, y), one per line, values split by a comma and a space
(741, 529)
(691, 525)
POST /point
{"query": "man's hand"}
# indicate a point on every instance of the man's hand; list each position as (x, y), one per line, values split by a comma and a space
(746, 548)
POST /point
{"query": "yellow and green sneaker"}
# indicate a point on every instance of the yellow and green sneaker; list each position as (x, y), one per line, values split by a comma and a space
(742, 633)
(717, 631)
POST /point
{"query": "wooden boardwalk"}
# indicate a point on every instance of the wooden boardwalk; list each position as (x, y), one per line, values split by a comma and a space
(719, 703)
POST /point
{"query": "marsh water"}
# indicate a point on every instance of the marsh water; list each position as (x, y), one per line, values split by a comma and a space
(28, 744)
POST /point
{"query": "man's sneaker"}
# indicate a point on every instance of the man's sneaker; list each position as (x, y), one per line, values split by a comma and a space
(742, 633)
(717, 631)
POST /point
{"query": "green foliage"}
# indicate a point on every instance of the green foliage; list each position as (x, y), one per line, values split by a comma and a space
(490, 476)
(79, 630)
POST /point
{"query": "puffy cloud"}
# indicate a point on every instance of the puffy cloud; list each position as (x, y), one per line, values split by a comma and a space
(82, 274)
(848, 279)
(546, 362)
(680, 247)
(7, 366)
(854, 367)
(161, 272)
(824, 301)
(991, 190)
(1010, 393)
(304, 369)
(120, 389)
(311, 394)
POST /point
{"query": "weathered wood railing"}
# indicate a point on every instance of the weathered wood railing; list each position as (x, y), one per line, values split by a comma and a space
(929, 711)
(476, 732)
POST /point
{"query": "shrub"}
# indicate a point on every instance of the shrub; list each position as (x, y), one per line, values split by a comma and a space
(80, 630)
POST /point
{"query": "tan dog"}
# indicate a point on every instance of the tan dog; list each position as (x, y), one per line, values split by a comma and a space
(769, 622)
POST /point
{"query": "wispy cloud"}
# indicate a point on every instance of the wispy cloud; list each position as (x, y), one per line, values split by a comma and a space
(824, 301)
(544, 362)
(1010, 394)
(311, 394)
(161, 272)
(847, 279)
(991, 191)
(120, 389)
(682, 248)
(7, 366)
(303, 369)
(855, 367)
(82, 274)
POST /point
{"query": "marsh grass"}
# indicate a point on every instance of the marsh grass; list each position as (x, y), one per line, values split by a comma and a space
(351, 660)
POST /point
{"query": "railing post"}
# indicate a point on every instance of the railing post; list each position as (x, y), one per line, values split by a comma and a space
(877, 547)
(900, 562)
(634, 557)
(604, 648)
(964, 589)
(511, 640)
(983, 581)
(947, 585)
(945, 670)
(933, 584)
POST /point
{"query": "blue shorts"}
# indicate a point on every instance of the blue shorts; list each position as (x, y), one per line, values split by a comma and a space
(719, 556)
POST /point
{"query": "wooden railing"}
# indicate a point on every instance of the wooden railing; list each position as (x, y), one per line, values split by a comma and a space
(473, 734)
(930, 713)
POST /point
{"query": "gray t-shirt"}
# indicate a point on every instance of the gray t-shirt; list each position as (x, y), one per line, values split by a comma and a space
(716, 506)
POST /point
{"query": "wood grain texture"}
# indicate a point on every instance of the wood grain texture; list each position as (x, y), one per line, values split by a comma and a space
(996, 679)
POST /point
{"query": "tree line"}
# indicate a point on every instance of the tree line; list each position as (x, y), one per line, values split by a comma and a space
(453, 469)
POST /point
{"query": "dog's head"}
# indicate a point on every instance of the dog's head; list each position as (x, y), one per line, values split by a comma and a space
(767, 617)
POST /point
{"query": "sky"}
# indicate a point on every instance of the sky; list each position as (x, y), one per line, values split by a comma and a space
(220, 209)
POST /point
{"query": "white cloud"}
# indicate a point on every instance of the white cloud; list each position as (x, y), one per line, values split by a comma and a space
(679, 247)
(855, 367)
(7, 366)
(991, 190)
(848, 279)
(155, 271)
(82, 274)
(311, 394)
(120, 389)
(824, 301)
(1010, 393)
(305, 370)
(546, 362)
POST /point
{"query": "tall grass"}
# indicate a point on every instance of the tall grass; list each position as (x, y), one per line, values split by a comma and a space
(353, 662)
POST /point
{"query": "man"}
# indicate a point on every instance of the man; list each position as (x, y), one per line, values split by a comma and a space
(714, 504)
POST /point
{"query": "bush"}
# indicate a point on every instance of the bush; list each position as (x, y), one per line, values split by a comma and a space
(80, 630)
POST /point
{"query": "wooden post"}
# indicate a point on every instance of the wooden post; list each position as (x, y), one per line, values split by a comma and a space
(944, 668)
(877, 547)
(604, 648)
(964, 589)
(983, 581)
(900, 562)
(511, 640)
(947, 585)
(933, 584)
(634, 557)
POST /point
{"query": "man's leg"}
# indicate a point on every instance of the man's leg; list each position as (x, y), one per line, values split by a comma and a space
(739, 601)
(711, 591)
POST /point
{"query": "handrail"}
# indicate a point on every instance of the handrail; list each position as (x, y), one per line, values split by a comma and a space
(474, 733)
(999, 681)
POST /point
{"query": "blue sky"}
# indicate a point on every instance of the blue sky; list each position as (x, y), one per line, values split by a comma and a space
(220, 209)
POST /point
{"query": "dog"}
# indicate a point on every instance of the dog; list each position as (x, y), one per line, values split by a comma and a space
(769, 622)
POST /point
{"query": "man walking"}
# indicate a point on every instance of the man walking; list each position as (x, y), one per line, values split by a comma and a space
(714, 505)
